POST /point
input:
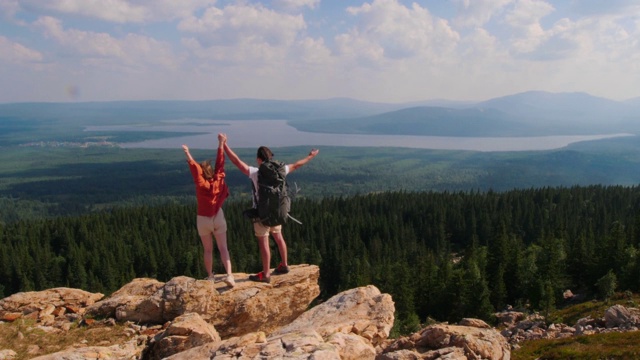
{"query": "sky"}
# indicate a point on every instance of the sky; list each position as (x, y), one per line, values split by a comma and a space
(390, 51)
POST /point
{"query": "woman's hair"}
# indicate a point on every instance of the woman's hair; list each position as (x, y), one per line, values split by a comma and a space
(264, 153)
(207, 170)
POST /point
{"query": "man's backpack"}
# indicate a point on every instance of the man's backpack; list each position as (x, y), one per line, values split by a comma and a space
(274, 203)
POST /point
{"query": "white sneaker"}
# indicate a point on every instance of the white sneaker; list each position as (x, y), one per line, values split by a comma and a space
(229, 280)
(211, 278)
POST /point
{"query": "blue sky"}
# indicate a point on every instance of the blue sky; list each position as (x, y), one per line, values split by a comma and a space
(374, 50)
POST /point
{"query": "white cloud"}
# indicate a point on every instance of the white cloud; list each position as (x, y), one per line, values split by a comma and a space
(605, 8)
(8, 8)
(379, 50)
(93, 48)
(386, 29)
(524, 19)
(15, 53)
(295, 4)
(250, 34)
(244, 23)
(119, 11)
(313, 52)
(475, 13)
(481, 45)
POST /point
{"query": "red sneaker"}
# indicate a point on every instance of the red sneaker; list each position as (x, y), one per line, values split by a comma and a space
(259, 277)
(281, 269)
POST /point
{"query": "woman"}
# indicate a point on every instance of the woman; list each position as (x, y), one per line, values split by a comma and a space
(211, 192)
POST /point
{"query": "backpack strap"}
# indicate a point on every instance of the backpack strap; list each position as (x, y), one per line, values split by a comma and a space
(294, 219)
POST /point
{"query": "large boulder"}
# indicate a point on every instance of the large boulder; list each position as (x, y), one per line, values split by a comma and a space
(125, 303)
(618, 316)
(443, 341)
(347, 326)
(248, 307)
(362, 311)
(46, 302)
(129, 350)
(185, 332)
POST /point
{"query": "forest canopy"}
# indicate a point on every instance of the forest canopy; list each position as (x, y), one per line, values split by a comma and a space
(444, 255)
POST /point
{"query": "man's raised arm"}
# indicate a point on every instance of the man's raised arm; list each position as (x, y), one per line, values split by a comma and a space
(304, 160)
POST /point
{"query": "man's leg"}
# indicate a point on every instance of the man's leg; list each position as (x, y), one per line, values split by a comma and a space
(262, 234)
(282, 247)
(265, 254)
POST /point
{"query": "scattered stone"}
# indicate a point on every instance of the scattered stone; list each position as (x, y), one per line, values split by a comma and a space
(474, 323)
(185, 332)
(443, 341)
(618, 315)
(33, 349)
(128, 350)
(33, 302)
(567, 294)
(616, 318)
(8, 354)
(10, 316)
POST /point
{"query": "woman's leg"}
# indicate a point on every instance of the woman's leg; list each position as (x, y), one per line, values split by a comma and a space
(221, 241)
(207, 244)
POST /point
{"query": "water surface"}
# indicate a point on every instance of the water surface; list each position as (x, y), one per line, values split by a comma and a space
(277, 133)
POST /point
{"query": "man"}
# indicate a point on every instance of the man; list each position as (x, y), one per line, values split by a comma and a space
(262, 231)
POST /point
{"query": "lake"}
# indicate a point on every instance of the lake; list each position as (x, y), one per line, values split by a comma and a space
(277, 133)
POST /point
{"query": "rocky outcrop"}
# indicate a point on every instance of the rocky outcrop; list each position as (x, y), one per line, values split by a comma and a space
(616, 318)
(248, 307)
(347, 326)
(129, 350)
(61, 305)
(128, 303)
(475, 340)
(362, 311)
(186, 318)
(185, 332)
(619, 316)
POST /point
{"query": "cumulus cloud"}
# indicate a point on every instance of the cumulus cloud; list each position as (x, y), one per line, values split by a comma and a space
(583, 36)
(118, 11)
(96, 48)
(243, 33)
(236, 24)
(386, 50)
(295, 4)
(8, 8)
(15, 53)
(524, 19)
(313, 51)
(609, 7)
(475, 13)
(387, 29)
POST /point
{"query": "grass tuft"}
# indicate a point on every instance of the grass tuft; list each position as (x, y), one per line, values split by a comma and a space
(29, 340)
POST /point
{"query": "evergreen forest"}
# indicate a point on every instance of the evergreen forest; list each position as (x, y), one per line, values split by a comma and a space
(441, 255)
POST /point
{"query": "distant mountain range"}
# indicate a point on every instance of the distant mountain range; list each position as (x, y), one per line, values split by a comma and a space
(524, 114)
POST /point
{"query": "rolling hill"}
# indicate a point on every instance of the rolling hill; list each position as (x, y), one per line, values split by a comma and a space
(533, 113)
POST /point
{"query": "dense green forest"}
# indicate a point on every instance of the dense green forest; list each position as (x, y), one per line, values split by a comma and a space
(49, 181)
(444, 255)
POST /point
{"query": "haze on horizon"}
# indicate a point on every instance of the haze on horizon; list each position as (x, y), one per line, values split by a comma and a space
(373, 50)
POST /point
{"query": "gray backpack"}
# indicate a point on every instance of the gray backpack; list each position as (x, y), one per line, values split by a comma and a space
(274, 203)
